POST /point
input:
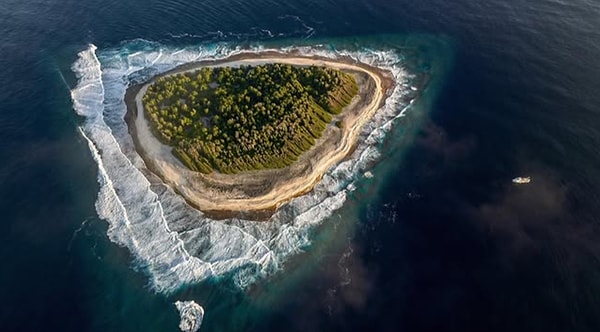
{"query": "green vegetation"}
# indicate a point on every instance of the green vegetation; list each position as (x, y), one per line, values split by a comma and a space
(247, 118)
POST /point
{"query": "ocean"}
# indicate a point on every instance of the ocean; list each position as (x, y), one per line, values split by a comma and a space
(437, 239)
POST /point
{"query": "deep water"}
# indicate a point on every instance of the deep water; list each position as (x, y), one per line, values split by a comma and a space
(438, 240)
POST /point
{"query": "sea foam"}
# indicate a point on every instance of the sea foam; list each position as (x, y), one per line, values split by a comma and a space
(191, 315)
(173, 243)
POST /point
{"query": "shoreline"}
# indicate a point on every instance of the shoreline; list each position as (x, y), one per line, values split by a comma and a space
(258, 194)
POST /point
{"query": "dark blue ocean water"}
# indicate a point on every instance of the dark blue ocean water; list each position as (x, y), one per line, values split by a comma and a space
(439, 240)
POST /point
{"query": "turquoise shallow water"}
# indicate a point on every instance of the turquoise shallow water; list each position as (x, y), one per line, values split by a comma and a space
(228, 258)
(439, 239)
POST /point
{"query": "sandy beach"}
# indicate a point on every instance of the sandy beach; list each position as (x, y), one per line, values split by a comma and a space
(263, 190)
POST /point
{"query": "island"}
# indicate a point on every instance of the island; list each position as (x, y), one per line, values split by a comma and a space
(248, 133)
(235, 119)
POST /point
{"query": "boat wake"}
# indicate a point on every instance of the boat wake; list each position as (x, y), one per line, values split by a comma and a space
(174, 244)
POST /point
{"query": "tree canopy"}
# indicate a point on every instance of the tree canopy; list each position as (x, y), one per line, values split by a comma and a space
(233, 119)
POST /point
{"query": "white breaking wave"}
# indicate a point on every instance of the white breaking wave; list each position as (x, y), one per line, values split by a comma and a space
(191, 315)
(173, 243)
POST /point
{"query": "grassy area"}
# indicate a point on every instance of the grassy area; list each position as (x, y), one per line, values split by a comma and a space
(248, 118)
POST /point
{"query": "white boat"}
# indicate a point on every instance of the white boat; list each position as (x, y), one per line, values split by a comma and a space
(521, 180)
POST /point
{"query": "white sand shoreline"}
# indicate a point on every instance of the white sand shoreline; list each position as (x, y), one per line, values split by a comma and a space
(203, 190)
